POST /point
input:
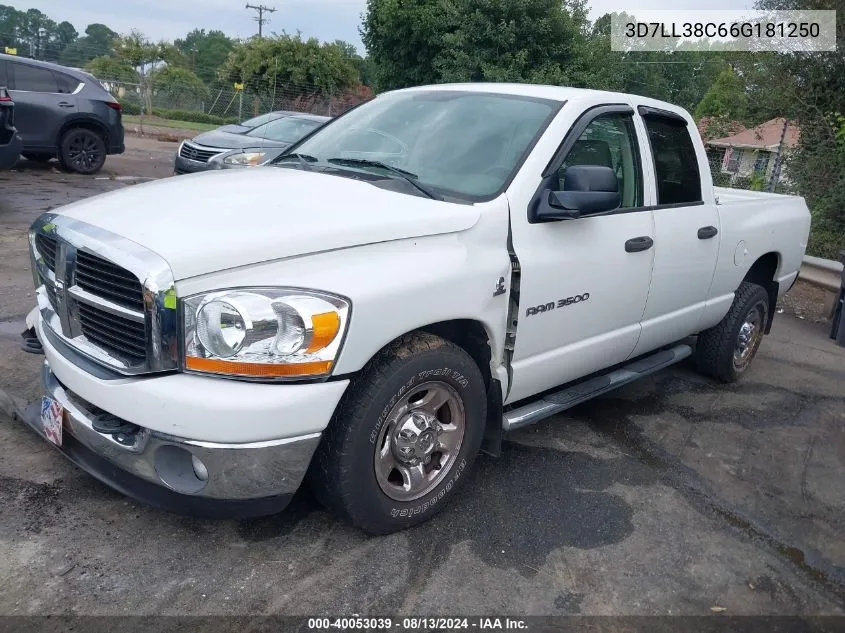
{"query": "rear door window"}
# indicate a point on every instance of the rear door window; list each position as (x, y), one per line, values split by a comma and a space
(66, 84)
(32, 78)
(675, 160)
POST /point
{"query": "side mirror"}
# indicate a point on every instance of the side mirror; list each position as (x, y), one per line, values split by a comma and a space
(587, 190)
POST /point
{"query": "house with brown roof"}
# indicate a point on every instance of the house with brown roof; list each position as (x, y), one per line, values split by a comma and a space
(752, 151)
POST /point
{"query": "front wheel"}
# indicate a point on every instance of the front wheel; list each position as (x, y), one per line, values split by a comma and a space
(404, 436)
(82, 151)
(726, 350)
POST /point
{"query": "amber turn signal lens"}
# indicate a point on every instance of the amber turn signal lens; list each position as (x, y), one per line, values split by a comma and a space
(258, 370)
(324, 328)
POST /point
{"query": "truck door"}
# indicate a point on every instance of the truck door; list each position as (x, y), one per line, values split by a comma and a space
(583, 282)
(686, 230)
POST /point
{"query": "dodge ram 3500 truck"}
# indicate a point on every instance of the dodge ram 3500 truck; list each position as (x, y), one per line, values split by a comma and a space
(426, 272)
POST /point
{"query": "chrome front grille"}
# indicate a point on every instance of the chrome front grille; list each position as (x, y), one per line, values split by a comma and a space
(114, 333)
(101, 277)
(198, 153)
(105, 296)
(47, 247)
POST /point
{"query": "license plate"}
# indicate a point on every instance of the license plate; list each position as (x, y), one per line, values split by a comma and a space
(52, 416)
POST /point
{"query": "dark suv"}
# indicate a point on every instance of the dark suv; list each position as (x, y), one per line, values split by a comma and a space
(62, 113)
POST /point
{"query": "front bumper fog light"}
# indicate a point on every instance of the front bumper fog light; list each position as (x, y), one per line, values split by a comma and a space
(199, 468)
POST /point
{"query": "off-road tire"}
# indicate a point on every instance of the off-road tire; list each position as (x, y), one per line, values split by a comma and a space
(342, 473)
(714, 353)
(70, 148)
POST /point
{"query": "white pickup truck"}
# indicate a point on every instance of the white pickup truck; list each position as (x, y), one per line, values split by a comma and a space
(430, 270)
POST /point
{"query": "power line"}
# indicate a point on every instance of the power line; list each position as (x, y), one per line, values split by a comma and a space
(261, 19)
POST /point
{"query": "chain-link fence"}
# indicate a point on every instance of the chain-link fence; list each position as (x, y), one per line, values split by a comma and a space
(227, 102)
(750, 169)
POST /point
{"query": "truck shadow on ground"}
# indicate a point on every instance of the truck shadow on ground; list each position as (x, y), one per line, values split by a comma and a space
(513, 510)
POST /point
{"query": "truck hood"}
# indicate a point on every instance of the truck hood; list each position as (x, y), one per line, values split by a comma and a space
(210, 221)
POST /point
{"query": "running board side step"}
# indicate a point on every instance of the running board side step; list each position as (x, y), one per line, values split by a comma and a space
(558, 401)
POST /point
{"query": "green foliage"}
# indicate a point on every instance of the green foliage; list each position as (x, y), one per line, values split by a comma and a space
(111, 68)
(430, 41)
(758, 181)
(404, 39)
(725, 98)
(97, 42)
(205, 52)
(535, 41)
(33, 33)
(265, 62)
(809, 89)
(179, 86)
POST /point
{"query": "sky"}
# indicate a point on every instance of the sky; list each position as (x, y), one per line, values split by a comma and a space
(324, 19)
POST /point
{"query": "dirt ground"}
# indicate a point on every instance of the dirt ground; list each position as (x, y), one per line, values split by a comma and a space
(673, 495)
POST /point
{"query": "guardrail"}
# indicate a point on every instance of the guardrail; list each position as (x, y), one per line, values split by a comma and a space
(824, 273)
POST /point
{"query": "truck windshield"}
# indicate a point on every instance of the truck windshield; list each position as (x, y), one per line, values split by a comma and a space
(461, 144)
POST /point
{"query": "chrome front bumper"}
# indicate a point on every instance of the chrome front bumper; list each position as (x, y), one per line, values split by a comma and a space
(187, 476)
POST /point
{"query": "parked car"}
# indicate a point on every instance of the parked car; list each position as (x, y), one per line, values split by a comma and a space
(62, 113)
(371, 323)
(10, 140)
(219, 149)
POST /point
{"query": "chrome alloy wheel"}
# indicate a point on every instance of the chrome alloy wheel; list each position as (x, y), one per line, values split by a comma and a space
(420, 441)
(749, 337)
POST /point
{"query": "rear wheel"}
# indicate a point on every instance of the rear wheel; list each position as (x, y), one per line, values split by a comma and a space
(82, 151)
(726, 350)
(403, 437)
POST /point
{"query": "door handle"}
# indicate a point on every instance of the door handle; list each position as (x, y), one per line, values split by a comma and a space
(637, 244)
(706, 232)
(65, 104)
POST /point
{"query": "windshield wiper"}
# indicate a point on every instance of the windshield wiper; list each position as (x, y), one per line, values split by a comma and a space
(408, 176)
(304, 159)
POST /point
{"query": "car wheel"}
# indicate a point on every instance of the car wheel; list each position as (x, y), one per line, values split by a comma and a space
(38, 157)
(404, 436)
(726, 350)
(82, 151)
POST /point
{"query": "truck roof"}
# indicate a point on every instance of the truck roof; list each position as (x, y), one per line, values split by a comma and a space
(557, 93)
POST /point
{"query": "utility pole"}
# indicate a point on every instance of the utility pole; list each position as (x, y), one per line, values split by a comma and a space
(778, 158)
(261, 19)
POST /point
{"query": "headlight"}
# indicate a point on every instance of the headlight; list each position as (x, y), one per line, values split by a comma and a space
(246, 158)
(264, 332)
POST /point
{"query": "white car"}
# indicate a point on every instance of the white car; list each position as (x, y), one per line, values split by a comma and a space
(428, 271)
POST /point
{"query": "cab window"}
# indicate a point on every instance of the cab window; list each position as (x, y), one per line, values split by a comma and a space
(610, 140)
(675, 161)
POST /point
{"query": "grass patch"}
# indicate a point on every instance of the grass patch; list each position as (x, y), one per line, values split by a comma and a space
(159, 122)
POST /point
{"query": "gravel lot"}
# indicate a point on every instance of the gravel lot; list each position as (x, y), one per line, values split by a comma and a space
(674, 495)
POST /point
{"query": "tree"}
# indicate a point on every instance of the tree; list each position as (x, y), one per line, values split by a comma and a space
(404, 39)
(140, 53)
(111, 69)
(178, 87)
(809, 89)
(536, 41)
(305, 66)
(205, 52)
(66, 35)
(97, 42)
(726, 98)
